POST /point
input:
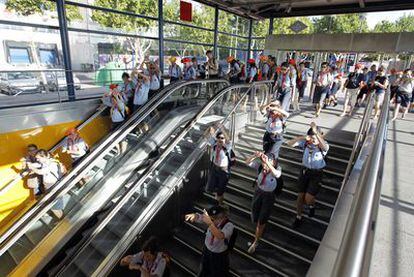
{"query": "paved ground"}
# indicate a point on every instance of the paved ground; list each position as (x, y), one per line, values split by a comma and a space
(394, 239)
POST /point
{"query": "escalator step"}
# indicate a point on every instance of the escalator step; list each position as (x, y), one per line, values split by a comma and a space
(105, 241)
(293, 243)
(87, 261)
(7, 264)
(21, 248)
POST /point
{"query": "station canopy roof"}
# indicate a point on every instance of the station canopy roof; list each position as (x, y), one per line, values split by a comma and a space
(259, 9)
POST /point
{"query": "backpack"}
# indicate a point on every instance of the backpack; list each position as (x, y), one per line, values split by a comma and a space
(320, 149)
(167, 257)
(230, 156)
(232, 241)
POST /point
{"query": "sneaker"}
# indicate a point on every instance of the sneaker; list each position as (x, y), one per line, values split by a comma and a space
(252, 247)
(311, 211)
(297, 222)
(335, 104)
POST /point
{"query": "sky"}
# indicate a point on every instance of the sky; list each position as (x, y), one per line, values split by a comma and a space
(374, 18)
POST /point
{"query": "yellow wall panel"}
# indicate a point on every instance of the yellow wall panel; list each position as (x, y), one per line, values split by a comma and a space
(13, 147)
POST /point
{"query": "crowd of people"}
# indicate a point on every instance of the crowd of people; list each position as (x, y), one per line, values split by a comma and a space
(42, 170)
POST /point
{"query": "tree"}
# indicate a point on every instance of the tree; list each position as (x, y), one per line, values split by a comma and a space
(385, 26)
(337, 24)
(30, 7)
(405, 24)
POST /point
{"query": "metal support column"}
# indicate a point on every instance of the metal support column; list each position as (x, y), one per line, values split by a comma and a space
(63, 28)
(249, 44)
(161, 39)
(271, 26)
(216, 21)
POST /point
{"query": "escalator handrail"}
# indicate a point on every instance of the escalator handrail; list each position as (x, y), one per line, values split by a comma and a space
(19, 176)
(150, 170)
(15, 231)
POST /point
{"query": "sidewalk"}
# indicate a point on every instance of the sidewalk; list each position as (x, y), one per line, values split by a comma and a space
(394, 238)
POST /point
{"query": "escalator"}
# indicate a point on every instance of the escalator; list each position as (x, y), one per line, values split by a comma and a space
(173, 186)
(132, 212)
(101, 178)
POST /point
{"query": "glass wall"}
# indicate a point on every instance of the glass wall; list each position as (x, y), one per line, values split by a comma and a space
(109, 37)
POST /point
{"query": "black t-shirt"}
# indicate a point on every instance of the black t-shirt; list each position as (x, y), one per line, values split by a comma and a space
(354, 79)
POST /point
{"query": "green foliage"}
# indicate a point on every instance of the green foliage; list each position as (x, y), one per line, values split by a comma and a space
(30, 7)
(403, 24)
(336, 24)
(385, 26)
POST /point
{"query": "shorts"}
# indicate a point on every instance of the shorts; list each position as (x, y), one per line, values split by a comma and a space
(352, 95)
(362, 92)
(379, 97)
(262, 205)
(403, 98)
(115, 125)
(320, 95)
(217, 180)
(309, 180)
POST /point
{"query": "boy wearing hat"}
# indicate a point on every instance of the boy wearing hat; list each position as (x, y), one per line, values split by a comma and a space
(251, 71)
(264, 196)
(234, 70)
(215, 256)
(283, 86)
(75, 146)
(220, 162)
(189, 71)
(315, 149)
(174, 71)
(352, 85)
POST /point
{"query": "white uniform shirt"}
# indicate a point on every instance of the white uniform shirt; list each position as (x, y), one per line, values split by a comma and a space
(155, 268)
(155, 82)
(266, 181)
(274, 125)
(218, 155)
(213, 244)
(141, 93)
(324, 79)
(78, 145)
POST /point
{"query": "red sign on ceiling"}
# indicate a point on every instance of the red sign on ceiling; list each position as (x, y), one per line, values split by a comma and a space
(186, 11)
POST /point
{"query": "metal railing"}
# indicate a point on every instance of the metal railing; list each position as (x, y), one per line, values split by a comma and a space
(19, 176)
(359, 140)
(139, 226)
(348, 240)
(356, 248)
(73, 177)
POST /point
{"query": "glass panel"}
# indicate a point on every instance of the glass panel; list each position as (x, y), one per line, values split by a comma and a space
(34, 12)
(202, 15)
(19, 55)
(48, 57)
(114, 22)
(233, 24)
(181, 50)
(223, 53)
(232, 41)
(28, 54)
(112, 175)
(260, 28)
(258, 43)
(142, 7)
(99, 60)
(184, 33)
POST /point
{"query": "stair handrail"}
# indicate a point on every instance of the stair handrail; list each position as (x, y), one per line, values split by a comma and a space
(358, 142)
(19, 227)
(23, 173)
(110, 259)
(349, 241)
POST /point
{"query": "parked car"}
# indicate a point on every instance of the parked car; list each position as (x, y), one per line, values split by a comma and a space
(56, 80)
(16, 83)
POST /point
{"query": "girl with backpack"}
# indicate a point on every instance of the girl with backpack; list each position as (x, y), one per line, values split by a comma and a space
(273, 137)
(51, 171)
(220, 238)
(352, 85)
(264, 195)
(315, 149)
(221, 160)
